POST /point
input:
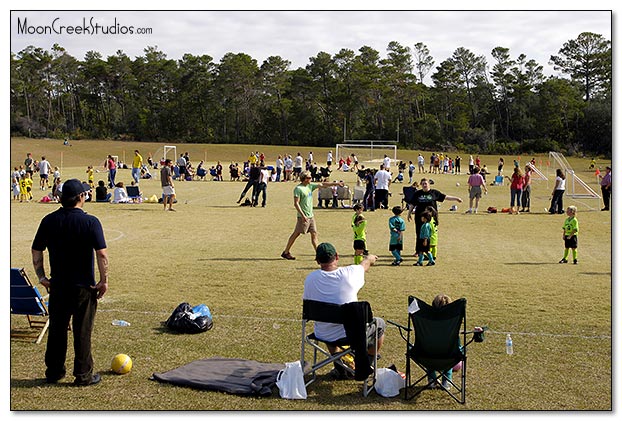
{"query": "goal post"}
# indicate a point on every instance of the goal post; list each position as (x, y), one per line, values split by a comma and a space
(576, 188)
(367, 151)
(170, 150)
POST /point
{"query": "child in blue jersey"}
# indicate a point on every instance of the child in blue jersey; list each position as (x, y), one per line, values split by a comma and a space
(396, 227)
(423, 242)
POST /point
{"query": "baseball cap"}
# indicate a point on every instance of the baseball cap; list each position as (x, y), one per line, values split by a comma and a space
(325, 253)
(73, 187)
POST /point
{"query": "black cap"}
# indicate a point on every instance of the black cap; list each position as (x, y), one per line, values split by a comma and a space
(73, 187)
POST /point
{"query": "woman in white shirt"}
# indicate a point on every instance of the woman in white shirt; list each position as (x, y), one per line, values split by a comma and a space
(557, 202)
(119, 195)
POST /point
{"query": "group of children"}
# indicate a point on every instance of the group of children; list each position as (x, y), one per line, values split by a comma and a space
(427, 240)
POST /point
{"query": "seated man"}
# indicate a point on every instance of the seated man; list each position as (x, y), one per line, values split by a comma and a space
(339, 285)
(101, 192)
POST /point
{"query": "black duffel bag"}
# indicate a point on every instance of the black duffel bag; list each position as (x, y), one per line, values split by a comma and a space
(184, 320)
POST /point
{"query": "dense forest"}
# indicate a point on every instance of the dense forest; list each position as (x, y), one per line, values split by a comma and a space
(508, 106)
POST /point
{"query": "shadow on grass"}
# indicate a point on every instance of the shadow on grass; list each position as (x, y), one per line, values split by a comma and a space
(531, 263)
(65, 382)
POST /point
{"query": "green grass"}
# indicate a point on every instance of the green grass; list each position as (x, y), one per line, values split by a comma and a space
(212, 251)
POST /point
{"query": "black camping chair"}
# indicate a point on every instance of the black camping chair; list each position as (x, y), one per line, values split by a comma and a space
(340, 314)
(440, 343)
(408, 196)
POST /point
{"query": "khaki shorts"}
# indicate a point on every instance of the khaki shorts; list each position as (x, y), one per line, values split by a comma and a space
(168, 190)
(475, 192)
(303, 227)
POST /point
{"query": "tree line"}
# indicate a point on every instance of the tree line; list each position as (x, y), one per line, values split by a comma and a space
(508, 106)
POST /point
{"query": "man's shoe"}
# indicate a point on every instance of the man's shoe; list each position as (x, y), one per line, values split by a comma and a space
(431, 263)
(54, 380)
(604, 209)
(563, 261)
(96, 378)
(417, 264)
(287, 256)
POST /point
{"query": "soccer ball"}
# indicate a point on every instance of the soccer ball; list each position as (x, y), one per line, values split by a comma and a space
(457, 184)
(121, 364)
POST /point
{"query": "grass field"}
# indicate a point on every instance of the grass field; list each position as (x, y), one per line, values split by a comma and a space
(211, 251)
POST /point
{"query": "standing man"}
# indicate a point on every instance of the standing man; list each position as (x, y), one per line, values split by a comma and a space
(168, 189)
(181, 164)
(423, 198)
(71, 237)
(28, 164)
(137, 164)
(329, 159)
(303, 202)
(605, 188)
(298, 165)
(44, 172)
(383, 181)
(253, 181)
(420, 164)
(386, 161)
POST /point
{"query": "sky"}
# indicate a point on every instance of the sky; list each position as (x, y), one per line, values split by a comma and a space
(297, 35)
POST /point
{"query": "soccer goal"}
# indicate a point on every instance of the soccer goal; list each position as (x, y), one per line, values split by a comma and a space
(576, 188)
(367, 151)
(170, 150)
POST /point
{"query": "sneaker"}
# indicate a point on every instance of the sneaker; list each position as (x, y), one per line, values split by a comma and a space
(417, 264)
(446, 385)
(563, 261)
(396, 262)
(469, 211)
(96, 378)
(575, 261)
(431, 263)
(287, 256)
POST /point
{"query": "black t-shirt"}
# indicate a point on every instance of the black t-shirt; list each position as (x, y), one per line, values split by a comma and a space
(423, 199)
(71, 236)
(100, 193)
(255, 173)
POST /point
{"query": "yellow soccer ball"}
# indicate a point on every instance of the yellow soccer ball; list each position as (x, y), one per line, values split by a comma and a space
(121, 364)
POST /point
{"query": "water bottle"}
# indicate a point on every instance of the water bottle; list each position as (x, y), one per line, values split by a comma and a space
(120, 323)
(509, 348)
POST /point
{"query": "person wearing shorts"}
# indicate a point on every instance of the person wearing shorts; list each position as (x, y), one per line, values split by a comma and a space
(339, 285)
(168, 189)
(476, 183)
(303, 202)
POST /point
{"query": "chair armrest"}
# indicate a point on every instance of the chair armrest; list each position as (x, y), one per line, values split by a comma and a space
(401, 328)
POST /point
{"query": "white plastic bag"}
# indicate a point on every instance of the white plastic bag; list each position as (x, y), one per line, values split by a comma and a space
(291, 382)
(388, 382)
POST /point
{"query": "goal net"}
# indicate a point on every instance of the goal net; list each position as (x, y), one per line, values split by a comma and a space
(170, 152)
(367, 151)
(575, 186)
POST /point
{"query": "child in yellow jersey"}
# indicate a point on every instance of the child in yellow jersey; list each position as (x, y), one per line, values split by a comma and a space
(89, 172)
(359, 226)
(434, 226)
(25, 188)
(571, 229)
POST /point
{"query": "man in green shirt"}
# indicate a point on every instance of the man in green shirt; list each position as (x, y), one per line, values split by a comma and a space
(303, 202)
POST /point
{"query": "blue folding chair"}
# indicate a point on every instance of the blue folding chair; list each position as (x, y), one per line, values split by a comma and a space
(26, 300)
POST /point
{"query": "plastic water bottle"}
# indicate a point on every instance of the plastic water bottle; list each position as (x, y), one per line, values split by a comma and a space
(509, 347)
(120, 323)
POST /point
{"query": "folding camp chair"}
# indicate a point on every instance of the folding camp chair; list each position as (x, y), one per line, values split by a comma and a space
(498, 180)
(438, 335)
(408, 195)
(335, 313)
(133, 192)
(26, 300)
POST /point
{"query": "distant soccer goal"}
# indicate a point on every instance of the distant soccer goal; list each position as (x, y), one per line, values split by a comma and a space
(170, 150)
(575, 187)
(367, 151)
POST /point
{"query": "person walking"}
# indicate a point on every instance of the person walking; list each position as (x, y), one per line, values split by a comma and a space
(137, 164)
(72, 239)
(605, 188)
(303, 203)
(168, 188)
(111, 166)
(476, 183)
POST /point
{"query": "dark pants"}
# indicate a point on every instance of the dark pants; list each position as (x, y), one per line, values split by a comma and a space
(249, 184)
(526, 198)
(111, 176)
(382, 198)
(369, 195)
(606, 196)
(78, 304)
(260, 188)
(557, 203)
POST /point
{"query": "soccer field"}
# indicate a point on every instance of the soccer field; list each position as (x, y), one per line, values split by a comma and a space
(214, 252)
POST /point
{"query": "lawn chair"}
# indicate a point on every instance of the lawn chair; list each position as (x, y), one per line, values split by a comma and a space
(438, 335)
(26, 300)
(498, 180)
(408, 196)
(335, 313)
(133, 193)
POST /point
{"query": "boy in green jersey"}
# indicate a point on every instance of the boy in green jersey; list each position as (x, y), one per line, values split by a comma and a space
(571, 229)
(359, 226)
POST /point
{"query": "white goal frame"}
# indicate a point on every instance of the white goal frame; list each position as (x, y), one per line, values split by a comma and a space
(372, 145)
(167, 149)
